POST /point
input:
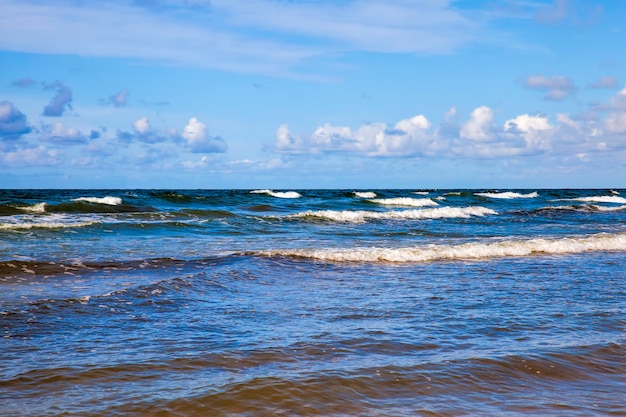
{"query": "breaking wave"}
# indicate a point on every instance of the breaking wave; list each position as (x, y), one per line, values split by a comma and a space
(108, 200)
(35, 208)
(364, 194)
(360, 216)
(52, 223)
(467, 251)
(508, 195)
(405, 201)
(600, 199)
(278, 194)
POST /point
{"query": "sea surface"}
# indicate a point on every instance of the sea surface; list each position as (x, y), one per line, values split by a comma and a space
(313, 302)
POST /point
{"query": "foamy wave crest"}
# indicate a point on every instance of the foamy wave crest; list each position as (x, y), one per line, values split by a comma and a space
(50, 223)
(35, 208)
(111, 201)
(405, 201)
(471, 251)
(360, 216)
(284, 194)
(421, 192)
(614, 192)
(508, 194)
(604, 208)
(601, 199)
(364, 194)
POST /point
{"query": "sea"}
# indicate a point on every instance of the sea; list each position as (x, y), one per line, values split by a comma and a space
(383, 302)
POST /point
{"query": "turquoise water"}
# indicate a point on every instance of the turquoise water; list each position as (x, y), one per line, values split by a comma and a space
(312, 302)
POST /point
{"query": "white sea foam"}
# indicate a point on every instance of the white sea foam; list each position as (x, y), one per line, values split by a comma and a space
(614, 208)
(469, 251)
(35, 208)
(364, 194)
(600, 199)
(278, 194)
(108, 200)
(405, 201)
(421, 192)
(360, 216)
(508, 195)
(54, 221)
(614, 192)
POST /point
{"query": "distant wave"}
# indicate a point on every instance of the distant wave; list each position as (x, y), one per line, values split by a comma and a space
(35, 208)
(405, 201)
(421, 192)
(360, 216)
(284, 194)
(599, 199)
(510, 248)
(364, 194)
(108, 200)
(508, 195)
(614, 192)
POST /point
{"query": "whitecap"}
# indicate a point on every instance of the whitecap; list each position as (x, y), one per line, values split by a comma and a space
(421, 192)
(508, 195)
(600, 199)
(467, 251)
(360, 216)
(405, 201)
(364, 194)
(278, 194)
(108, 200)
(35, 208)
(614, 192)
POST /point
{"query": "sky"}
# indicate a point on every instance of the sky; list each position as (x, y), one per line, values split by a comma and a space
(293, 94)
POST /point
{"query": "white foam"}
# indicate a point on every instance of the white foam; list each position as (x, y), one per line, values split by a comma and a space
(277, 194)
(508, 195)
(604, 208)
(470, 251)
(360, 216)
(111, 201)
(35, 208)
(364, 194)
(421, 192)
(405, 201)
(600, 199)
(53, 221)
(614, 192)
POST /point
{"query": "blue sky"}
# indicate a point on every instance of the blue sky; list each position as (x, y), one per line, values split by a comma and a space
(312, 94)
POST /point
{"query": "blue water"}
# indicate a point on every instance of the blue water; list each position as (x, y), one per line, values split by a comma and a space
(312, 302)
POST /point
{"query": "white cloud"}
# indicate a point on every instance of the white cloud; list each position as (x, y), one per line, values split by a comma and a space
(142, 126)
(13, 123)
(605, 82)
(480, 125)
(557, 88)
(616, 120)
(32, 156)
(259, 36)
(60, 134)
(120, 99)
(198, 139)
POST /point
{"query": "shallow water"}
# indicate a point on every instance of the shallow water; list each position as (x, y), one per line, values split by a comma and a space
(312, 302)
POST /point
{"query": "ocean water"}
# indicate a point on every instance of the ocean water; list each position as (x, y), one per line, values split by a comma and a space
(312, 302)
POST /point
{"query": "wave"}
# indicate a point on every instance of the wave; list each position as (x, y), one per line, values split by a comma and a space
(46, 222)
(34, 208)
(614, 192)
(283, 194)
(467, 251)
(360, 216)
(405, 201)
(589, 208)
(599, 199)
(421, 192)
(508, 195)
(364, 194)
(108, 200)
